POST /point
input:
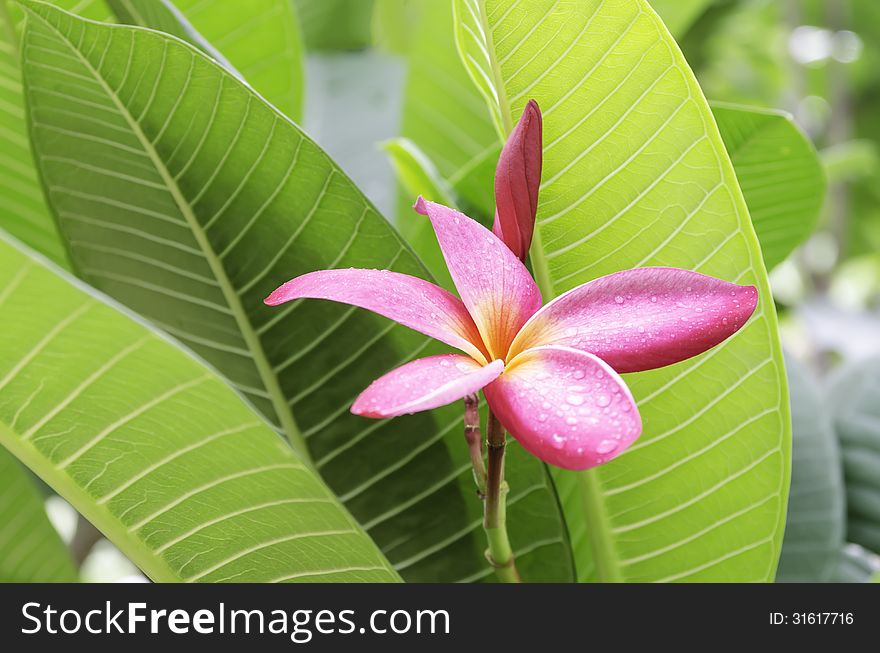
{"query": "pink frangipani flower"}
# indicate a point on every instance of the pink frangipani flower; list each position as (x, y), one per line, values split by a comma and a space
(550, 374)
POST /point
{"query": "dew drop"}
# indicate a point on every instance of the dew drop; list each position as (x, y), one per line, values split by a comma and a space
(557, 441)
(575, 400)
(579, 374)
(606, 446)
(600, 374)
(571, 420)
(603, 400)
(654, 299)
(618, 299)
(542, 417)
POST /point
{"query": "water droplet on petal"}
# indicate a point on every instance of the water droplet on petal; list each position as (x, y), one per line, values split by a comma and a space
(575, 400)
(557, 441)
(618, 300)
(603, 400)
(606, 446)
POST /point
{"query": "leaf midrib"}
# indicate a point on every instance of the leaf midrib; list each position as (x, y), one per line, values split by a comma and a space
(251, 339)
(588, 482)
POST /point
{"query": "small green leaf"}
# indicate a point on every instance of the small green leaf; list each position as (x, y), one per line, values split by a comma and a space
(418, 176)
(779, 172)
(855, 401)
(816, 517)
(30, 549)
(154, 449)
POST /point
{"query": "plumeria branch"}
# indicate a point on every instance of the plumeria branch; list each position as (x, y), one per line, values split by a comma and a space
(474, 440)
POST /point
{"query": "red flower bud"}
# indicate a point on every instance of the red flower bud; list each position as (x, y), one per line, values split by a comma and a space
(517, 179)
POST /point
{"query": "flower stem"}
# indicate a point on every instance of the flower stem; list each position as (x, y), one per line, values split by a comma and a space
(499, 553)
(475, 441)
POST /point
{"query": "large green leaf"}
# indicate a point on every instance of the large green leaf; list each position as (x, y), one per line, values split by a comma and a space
(154, 449)
(30, 549)
(24, 212)
(814, 526)
(780, 174)
(778, 168)
(635, 173)
(181, 193)
(855, 401)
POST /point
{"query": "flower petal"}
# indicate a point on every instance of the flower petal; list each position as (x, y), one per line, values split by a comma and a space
(643, 318)
(567, 407)
(423, 384)
(517, 178)
(493, 283)
(411, 301)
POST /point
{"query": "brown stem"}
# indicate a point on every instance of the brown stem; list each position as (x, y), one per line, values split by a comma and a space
(474, 440)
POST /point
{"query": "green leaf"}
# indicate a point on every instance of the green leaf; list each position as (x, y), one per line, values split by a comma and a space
(856, 565)
(815, 524)
(154, 449)
(185, 196)
(24, 212)
(162, 15)
(336, 24)
(30, 549)
(418, 176)
(855, 401)
(635, 173)
(262, 39)
(779, 172)
(679, 15)
(441, 112)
